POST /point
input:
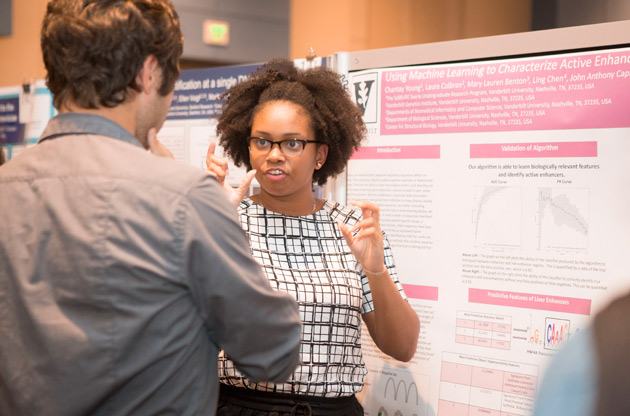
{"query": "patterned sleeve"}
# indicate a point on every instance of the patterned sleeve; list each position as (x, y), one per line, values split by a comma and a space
(368, 304)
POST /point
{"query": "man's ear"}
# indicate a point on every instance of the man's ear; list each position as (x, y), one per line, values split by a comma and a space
(148, 77)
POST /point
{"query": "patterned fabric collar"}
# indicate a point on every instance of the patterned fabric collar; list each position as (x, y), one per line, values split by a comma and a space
(248, 202)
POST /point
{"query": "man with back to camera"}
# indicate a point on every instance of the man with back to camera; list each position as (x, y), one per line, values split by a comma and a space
(122, 273)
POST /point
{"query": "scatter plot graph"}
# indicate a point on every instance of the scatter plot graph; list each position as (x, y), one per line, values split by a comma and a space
(563, 218)
(497, 216)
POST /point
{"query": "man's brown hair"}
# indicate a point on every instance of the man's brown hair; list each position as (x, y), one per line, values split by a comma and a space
(93, 49)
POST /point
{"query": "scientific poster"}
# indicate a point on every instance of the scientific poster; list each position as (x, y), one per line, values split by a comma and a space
(503, 189)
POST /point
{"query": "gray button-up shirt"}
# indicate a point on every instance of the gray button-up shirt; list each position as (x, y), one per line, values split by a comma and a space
(121, 276)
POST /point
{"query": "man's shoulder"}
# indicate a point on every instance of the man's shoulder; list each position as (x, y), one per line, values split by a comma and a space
(129, 162)
(176, 175)
(99, 156)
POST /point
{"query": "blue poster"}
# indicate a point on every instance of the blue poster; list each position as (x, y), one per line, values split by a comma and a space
(197, 91)
(11, 131)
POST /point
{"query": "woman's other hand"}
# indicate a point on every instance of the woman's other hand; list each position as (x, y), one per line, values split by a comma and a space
(365, 238)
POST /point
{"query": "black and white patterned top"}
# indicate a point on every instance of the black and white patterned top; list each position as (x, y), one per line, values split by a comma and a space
(308, 257)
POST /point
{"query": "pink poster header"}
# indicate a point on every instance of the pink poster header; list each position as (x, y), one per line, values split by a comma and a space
(530, 301)
(548, 149)
(421, 292)
(398, 152)
(572, 91)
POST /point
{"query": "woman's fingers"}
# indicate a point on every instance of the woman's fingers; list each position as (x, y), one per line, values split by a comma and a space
(347, 234)
(366, 205)
(211, 147)
(247, 180)
(216, 166)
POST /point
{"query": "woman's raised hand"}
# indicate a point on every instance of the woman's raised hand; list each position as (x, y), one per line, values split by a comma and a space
(367, 243)
(218, 168)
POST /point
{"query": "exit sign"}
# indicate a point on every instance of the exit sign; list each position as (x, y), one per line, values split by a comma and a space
(216, 32)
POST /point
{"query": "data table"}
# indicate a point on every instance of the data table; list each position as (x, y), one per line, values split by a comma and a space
(481, 386)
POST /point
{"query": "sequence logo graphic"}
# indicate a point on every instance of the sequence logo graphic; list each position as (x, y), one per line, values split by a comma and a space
(556, 333)
(402, 387)
(366, 95)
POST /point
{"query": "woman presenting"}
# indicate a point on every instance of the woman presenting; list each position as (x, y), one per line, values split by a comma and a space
(293, 128)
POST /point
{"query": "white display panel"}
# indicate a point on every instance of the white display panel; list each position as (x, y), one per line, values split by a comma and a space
(500, 168)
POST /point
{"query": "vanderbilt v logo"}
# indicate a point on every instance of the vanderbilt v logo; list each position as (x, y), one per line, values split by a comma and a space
(365, 86)
(362, 93)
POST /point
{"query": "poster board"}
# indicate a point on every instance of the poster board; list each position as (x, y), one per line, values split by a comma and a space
(24, 112)
(500, 167)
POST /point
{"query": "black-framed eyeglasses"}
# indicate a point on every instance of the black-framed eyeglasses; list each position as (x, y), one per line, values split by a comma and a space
(289, 147)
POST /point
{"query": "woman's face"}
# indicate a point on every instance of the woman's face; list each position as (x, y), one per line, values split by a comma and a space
(281, 176)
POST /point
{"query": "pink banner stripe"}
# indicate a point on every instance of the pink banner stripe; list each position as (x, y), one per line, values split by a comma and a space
(398, 152)
(542, 93)
(530, 301)
(554, 149)
(421, 292)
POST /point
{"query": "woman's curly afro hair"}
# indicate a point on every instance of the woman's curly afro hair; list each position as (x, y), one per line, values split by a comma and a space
(335, 118)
